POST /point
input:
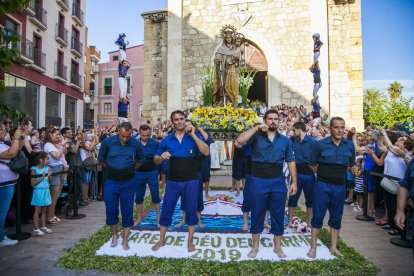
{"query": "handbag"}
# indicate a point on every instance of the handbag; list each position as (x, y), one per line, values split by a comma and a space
(19, 164)
(90, 163)
(390, 185)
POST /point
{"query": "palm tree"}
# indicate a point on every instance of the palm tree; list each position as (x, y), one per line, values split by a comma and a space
(372, 96)
(395, 90)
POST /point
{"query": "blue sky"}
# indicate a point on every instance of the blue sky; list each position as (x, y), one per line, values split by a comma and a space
(387, 31)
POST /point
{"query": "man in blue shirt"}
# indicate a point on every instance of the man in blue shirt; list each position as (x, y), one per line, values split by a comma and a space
(302, 148)
(120, 156)
(181, 149)
(206, 138)
(269, 150)
(405, 191)
(330, 159)
(147, 174)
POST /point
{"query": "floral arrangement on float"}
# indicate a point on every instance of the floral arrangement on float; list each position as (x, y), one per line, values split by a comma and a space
(224, 122)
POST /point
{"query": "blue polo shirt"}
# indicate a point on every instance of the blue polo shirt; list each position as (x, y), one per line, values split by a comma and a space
(265, 151)
(119, 156)
(326, 152)
(120, 42)
(408, 180)
(187, 148)
(150, 149)
(302, 149)
(316, 75)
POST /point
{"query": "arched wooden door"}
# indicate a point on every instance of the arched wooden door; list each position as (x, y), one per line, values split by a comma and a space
(256, 61)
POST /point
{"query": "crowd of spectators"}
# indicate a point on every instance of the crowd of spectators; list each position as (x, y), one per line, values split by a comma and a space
(66, 151)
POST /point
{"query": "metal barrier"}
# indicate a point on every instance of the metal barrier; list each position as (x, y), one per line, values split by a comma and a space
(402, 241)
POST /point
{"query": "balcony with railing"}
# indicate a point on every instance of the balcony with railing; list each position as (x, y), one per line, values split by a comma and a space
(61, 35)
(61, 72)
(40, 17)
(30, 10)
(39, 60)
(24, 45)
(76, 47)
(76, 81)
(77, 14)
(64, 4)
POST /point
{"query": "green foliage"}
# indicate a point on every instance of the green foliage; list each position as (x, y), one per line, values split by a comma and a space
(9, 52)
(388, 113)
(395, 90)
(82, 257)
(206, 73)
(8, 6)
(245, 82)
(372, 96)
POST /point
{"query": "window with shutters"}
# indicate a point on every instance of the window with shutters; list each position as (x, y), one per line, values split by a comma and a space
(108, 86)
(107, 108)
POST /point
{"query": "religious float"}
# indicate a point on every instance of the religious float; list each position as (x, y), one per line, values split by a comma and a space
(226, 111)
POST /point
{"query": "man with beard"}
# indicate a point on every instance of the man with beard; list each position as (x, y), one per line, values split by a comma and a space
(269, 149)
(330, 159)
(181, 148)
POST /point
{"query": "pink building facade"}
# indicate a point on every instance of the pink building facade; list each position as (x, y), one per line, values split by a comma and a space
(106, 86)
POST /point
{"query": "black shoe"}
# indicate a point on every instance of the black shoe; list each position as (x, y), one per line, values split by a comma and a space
(83, 204)
(387, 227)
(394, 232)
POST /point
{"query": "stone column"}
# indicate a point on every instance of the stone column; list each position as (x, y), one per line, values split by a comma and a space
(174, 97)
(155, 65)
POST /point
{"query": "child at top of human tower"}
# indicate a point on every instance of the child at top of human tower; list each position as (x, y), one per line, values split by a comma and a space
(121, 43)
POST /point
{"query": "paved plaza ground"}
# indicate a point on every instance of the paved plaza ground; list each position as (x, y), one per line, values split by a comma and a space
(38, 255)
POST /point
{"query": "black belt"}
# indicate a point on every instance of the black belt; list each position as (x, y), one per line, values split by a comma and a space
(332, 174)
(119, 174)
(266, 170)
(183, 169)
(148, 165)
(304, 169)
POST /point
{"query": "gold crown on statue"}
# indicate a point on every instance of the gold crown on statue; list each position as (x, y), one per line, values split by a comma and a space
(227, 30)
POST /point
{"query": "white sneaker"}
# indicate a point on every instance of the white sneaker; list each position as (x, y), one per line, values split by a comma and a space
(356, 209)
(354, 204)
(38, 232)
(8, 242)
(46, 230)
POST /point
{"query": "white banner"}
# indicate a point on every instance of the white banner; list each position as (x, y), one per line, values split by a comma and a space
(215, 247)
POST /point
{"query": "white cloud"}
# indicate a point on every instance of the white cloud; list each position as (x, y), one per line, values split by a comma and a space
(408, 90)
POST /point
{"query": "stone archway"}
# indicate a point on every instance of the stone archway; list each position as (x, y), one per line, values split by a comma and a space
(256, 61)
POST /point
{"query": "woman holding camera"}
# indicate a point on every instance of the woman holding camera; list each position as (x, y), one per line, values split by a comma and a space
(8, 179)
(55, 148)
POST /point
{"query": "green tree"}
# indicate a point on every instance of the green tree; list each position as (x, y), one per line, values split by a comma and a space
(388, 113)
(9, 53)
(372, 96)
(395, 90)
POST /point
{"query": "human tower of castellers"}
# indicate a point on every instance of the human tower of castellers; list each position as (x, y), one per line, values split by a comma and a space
(131, 164)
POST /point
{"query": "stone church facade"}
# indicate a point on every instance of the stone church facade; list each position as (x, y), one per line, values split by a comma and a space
(185, 37)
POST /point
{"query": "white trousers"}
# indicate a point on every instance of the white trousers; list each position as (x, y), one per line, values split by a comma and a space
(122, 54)
(122, 82)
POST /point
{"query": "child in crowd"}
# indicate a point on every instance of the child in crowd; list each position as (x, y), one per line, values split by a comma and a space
(359, 184)
(41, 193)
(349, 186)
(35, 141)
